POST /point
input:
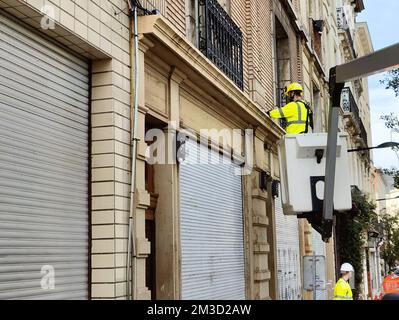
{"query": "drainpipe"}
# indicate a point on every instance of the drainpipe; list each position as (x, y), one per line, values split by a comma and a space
(197, 24)
(131, 258)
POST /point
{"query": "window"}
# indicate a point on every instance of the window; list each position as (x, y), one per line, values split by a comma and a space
(283, 61)
(318, 26)
(194, 14)
(211, 29)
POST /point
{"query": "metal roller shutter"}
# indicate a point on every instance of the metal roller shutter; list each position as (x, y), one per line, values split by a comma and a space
(44, 123)
(212, 243)
(288, 254)
(319, 248)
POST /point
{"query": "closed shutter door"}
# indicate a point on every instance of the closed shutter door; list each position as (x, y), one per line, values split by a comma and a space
(212, 244)
(288, 254)
(44, 123)
(319, 249)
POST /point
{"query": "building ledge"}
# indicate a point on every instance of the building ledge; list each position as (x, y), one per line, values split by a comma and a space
(177, 51)
(353, 127)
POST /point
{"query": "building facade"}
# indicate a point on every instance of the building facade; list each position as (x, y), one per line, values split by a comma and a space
(85, 240)
(206, 213)
(220, 225)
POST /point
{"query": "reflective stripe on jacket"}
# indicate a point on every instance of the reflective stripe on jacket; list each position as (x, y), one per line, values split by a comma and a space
(295, 113)
(342, 290)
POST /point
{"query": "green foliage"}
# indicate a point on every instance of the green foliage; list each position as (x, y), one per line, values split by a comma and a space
(390, 251)
(392, 122)
(391, 81)
(353, 232)
(394, 173)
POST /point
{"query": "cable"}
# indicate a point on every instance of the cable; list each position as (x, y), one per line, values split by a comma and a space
(131, 263)
(137, 4)
(120, 10)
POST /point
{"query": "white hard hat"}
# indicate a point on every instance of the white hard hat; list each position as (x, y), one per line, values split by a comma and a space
(347, 267)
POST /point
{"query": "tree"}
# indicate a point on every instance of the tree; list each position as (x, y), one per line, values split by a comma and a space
(390, 252)
(394, 173)
(392, 122)
(391, 81)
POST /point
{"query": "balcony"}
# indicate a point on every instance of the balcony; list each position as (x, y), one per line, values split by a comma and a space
(351, 112)
(148, 7)
(343, 28)
(220, 40)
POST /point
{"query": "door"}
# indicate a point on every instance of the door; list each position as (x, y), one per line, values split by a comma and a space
(211, 217)
(288, 254)
(44, 161)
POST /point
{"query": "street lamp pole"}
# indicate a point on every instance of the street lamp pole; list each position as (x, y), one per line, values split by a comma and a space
(387, 199)
(381, 146)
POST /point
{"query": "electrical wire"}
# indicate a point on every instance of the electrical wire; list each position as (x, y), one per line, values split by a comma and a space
(136, 3)
(131, 258)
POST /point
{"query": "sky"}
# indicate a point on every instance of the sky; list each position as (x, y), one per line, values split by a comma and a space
(383, 22)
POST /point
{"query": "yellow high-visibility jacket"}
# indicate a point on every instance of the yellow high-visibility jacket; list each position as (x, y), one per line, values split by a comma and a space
(295, 113)
(342, 290)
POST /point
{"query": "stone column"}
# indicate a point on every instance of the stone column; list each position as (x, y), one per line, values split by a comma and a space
(168, 271)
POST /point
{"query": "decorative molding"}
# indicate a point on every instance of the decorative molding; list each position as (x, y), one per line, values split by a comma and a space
(176, 75)
(145, 44)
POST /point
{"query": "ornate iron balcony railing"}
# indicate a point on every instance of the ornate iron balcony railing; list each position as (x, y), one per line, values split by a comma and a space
(220, 40)
(148, 7)
(349, 105)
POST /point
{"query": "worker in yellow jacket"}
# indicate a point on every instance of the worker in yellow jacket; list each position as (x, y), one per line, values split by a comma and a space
(342, 290)
(297, 113)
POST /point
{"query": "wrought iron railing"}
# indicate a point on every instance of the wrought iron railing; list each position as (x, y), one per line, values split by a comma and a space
(349, 105)
(148, 7)
(220, 40)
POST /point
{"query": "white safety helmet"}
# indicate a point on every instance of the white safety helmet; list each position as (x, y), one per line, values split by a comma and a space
(347, 267)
